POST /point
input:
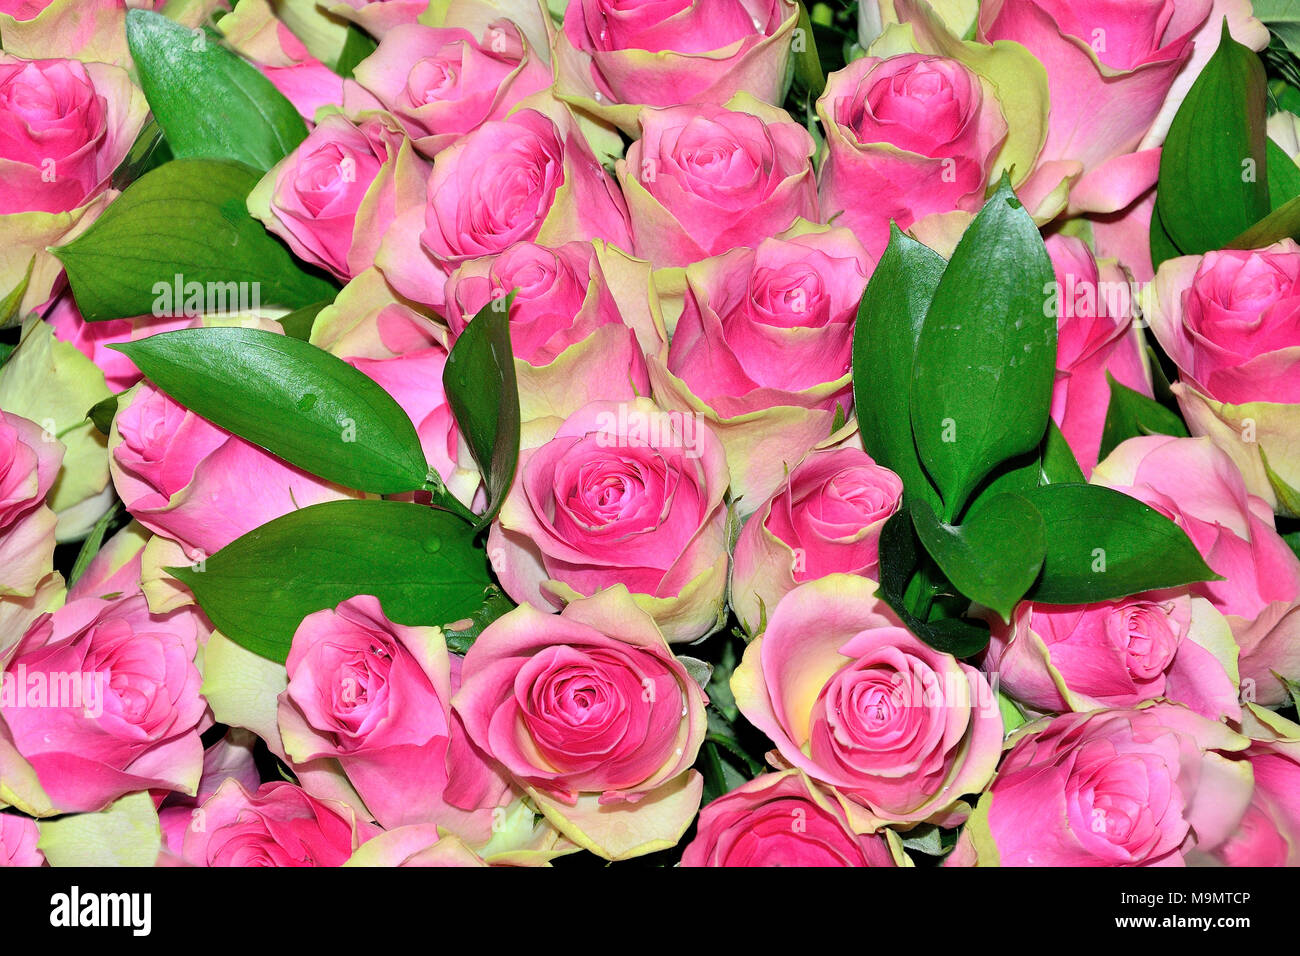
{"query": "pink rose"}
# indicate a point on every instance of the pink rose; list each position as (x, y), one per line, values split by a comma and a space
(628, 494)
(857, 702)
(64, 127)
(1096, 335)
(443, 83)
(417, 845)
(521, 179)
(1230, 321)
(1117, 654)
(336, 194)
(906, 137)
(1109, 66)
(230, 758)
(378, 17)
(29, 464)
(704, 179)
(101, 698)
(782, 819)
(590, 710)
(279, 824)
(93, 338)
(1113, 788)
(1269, 834)
(675, 51)
(825, 519)
(762, 350)
(183, 477)
(377, 697)
(1196, 485)
(18, 836)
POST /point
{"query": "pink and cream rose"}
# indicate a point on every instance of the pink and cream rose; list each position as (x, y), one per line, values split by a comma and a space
(29, 464)
(18, 838)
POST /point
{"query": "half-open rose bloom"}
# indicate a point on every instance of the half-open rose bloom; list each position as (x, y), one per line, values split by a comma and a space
(590, 710)
(231, 757)
(1230, 321)
(279, 824)
(1113, 788)
(906, 137)
(18, 837)
(582, 317)
(526, 178)
(28, 466)
(668, 52)
(1269, 834)
(1096, 336)
(762, 350)
(782, 819)
(64, 127)
(624, 494)
(377, 697)
(183, 477)
(825, 519)
(1118, 654)
(857, 702)
(702, 180)
(100, 699)
(442, 83)
(336, 194)
(1192, 482)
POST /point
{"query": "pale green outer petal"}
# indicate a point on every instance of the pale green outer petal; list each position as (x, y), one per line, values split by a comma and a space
(243, 688)
(620, 831)
(126, 833)
(163, 592)
(251, 29)
(981, 837)
(54, 385)
(1212, 631)
(530, 16)
(18, 612)
(321, 34)
(61, 30)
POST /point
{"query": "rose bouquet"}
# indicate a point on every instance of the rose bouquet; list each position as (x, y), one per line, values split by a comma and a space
(703, 432)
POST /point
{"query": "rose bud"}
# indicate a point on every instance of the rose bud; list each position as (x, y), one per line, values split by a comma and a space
(336, 194)
(100, 699)
(762, 351)
(625, 493)
(29, 464)
(591, 712)
(1192, 482)
(783, 819)
(581, 317)
(1230, 321)
(186, 479)
(1118, 653)
(443, 83)
(673, 51)
(856, 701)
(1111, 788)
(529, 177)
(825, 519)
(702, 180)
(279, 824)
(906, 137)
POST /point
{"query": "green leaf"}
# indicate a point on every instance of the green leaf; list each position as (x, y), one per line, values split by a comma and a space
(1283, 176)
(808, 73)
(298, 323)
(1131, 414)
(1059, 463)
(479, 381)
(1206, 195)
(889, 322)
(90, 547)
(420, 563)
(356, 47)
(1103, 545)
(994, 555)
(1282, 17)
(101, 416)
(293, 399)
(1281, 223)
(495, 604)
(208, 101)
(185, 219)
(985, 363)
(1162, 246)
(14, 298)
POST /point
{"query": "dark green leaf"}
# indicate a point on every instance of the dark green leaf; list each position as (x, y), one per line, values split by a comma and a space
(1283, 176)
(1282, 223)
(1213, 183)
(293, 399)
(94, 541)
(357, 45)
(420, 563)
(102, 414)
(1103, 545)
(298, 323)
(1162, 245)
(1059, 463)
(479, 381)
(186, 219)
(884, 350)
(985, 362)
(808, 73)
(208, 101)
(1131, 414)
(495, 603)
(994, 555)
